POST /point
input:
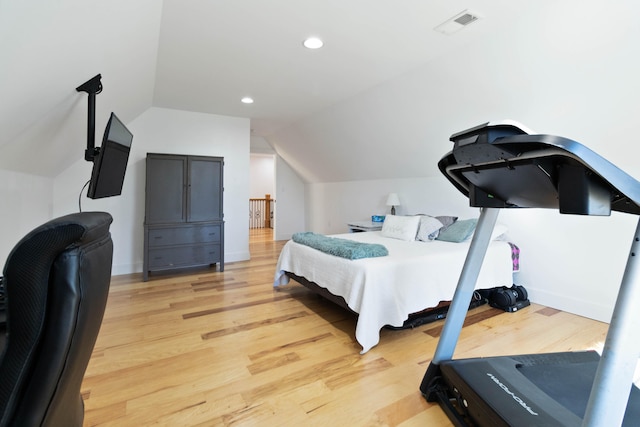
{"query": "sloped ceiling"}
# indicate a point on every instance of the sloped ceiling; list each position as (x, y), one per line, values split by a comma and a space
(379, 100)
(213, 53)
(47, 49)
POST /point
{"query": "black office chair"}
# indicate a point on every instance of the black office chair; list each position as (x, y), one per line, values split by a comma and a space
(56, 281)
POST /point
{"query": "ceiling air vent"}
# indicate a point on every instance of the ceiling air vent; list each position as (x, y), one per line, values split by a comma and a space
(457, 22)
(465, 19)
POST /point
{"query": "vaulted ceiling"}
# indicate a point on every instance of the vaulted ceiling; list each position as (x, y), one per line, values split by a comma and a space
(385, 86)
(212, 53)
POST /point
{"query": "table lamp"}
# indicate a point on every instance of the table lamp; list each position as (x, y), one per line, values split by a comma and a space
(393, 201)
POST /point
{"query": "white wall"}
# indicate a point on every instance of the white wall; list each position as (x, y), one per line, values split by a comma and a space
(333, 205)
(578, 81)
(573, 263)
(26, 203)
(161, 130)
(562, 71)
(47, 50)
(262, 175)
(290, 202)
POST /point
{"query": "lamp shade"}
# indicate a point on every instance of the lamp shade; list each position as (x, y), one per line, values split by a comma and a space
(393, 200)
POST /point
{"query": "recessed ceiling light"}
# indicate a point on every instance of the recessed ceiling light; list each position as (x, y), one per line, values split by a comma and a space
(313, 43)
(247, 100)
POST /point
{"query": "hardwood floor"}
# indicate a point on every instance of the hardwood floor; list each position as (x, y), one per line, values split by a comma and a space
(226, 349)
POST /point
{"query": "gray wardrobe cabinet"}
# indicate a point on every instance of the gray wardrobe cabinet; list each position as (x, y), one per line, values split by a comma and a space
(183, 224)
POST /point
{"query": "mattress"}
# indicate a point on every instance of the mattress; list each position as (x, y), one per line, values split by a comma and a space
(383, 291)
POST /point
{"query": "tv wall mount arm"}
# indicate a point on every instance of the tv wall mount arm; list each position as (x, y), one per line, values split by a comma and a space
(92, 87)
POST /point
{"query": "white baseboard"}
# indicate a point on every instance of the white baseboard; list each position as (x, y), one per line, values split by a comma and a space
(120, 269)
(236, 256)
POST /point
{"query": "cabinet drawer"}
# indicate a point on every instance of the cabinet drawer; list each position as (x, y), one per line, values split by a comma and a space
(184, 235)
(184, 256)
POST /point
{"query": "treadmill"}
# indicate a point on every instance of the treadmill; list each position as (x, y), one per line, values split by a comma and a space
(500, 165)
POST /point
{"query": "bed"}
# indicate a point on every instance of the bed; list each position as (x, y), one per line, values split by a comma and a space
(385, 290)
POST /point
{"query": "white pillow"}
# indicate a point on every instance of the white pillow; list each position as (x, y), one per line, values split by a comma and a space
(400, 227)
(428, 229)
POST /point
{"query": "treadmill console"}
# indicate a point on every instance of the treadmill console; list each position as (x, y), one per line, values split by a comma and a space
(505, 165)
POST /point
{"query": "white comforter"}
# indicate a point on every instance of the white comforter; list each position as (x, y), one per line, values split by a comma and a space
(384, 291)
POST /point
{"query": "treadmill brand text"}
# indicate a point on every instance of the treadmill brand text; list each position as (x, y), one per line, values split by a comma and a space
(510, 393)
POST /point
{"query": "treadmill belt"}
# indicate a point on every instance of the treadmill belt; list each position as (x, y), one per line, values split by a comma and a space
(544, 382)
(567, 384)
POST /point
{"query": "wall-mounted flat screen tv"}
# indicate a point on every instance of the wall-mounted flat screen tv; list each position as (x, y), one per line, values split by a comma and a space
(110, 164)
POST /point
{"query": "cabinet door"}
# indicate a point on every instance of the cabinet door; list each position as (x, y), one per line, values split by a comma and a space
(204, 198)
(165, 189)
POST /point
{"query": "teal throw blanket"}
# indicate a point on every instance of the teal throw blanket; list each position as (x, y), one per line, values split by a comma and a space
(340, 247)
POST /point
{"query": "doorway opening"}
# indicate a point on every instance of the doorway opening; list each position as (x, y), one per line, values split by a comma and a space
(262, 209)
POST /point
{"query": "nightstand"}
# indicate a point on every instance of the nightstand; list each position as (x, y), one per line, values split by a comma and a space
(358, 226)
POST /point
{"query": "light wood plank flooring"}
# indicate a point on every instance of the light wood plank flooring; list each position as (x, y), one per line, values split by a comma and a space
(225, 349)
